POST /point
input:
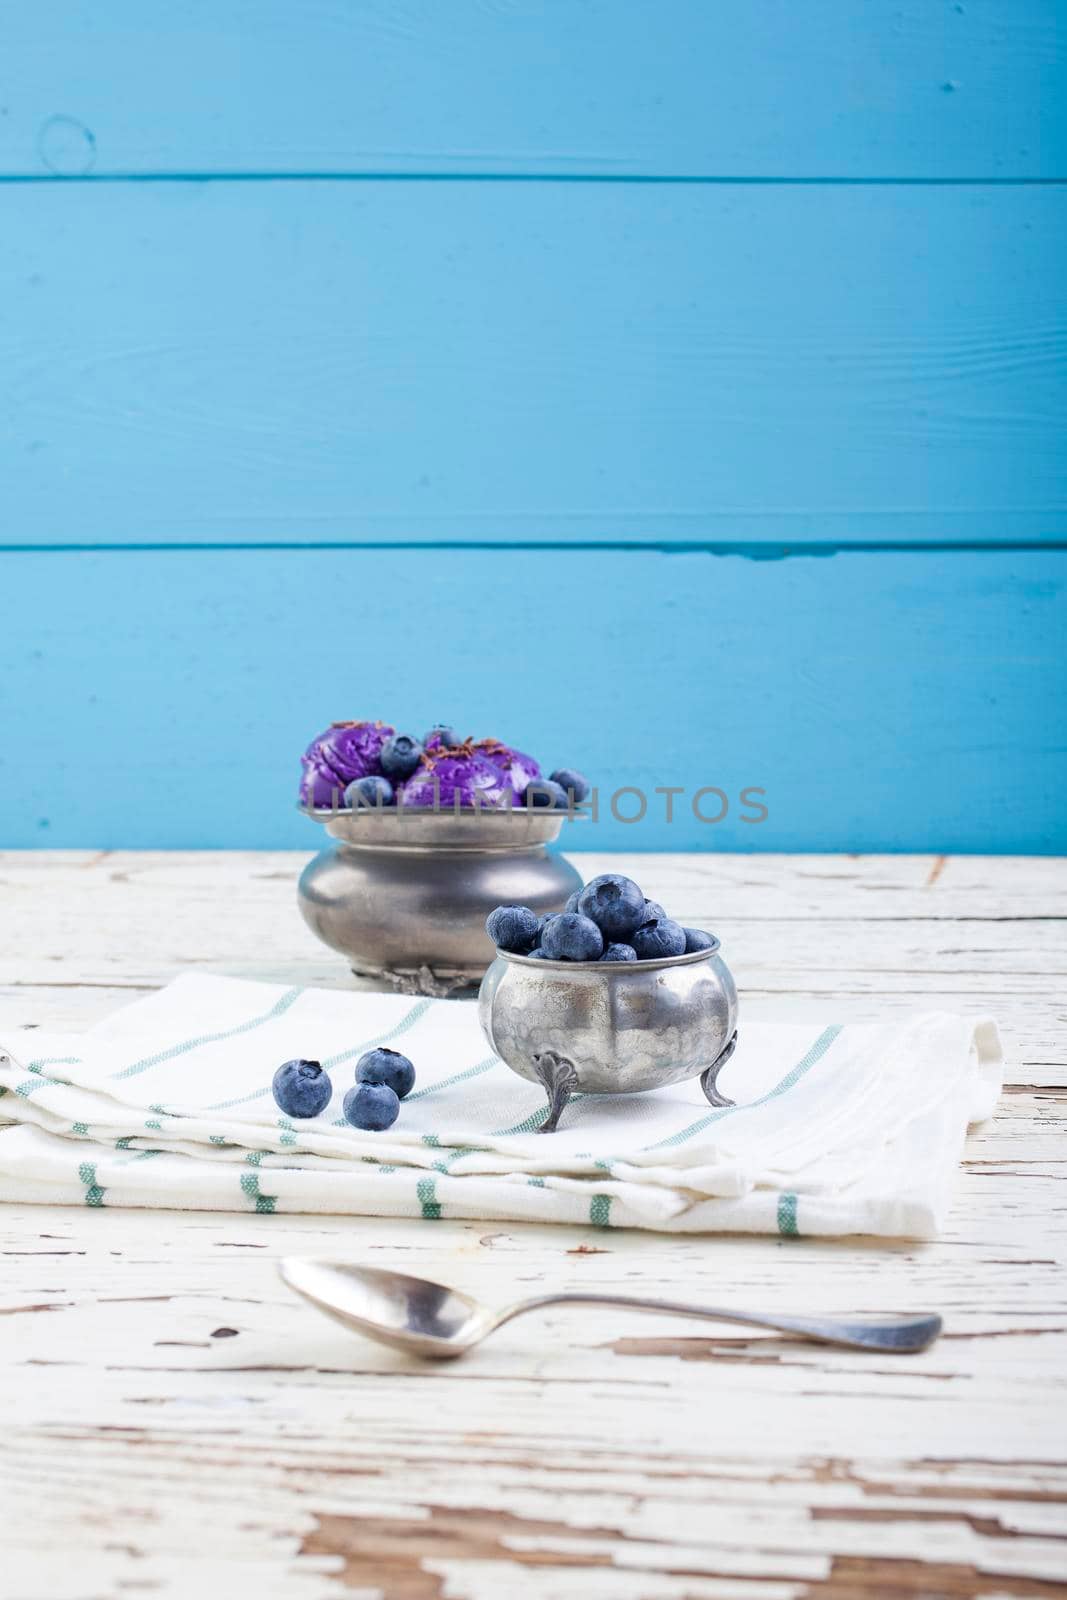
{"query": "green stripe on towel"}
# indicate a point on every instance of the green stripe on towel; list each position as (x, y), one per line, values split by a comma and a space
(277, 1009)
(531, 1123)
(41, 1080)
(250, 1186)
(94, 1195)
(459, 1077)
(417, 1011)
(792, 1077)
(426, 1193)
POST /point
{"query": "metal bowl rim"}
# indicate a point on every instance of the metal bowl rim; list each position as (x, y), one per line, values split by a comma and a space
(613, 969)
(426, 828)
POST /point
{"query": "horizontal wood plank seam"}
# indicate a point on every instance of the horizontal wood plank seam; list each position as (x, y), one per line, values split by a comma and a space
(689, 180)
(750, 550)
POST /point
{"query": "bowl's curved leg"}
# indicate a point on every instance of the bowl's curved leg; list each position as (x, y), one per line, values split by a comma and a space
(560, 1080)
(710, 1074)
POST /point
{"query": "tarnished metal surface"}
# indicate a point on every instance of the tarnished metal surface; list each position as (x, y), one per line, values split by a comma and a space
(621, 1027)
(404, 896)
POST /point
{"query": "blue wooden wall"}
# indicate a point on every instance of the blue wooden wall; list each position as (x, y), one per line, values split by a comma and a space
(676, 387)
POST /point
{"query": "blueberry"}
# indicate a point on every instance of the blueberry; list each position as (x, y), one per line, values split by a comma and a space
(301, 1089)
(575, 783)
(544, 793)
(372, 1106)
(537, 954)
(653, 940)
(572, 937)
(388, 1067)
(615, 904)
(400, 756)
(513, 928)
(697, 939)
(364, 792)
(619, 952)
(654, 912)
(442, 732)
(572, 901)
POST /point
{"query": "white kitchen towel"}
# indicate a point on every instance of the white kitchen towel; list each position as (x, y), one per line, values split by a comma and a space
(853, 1129)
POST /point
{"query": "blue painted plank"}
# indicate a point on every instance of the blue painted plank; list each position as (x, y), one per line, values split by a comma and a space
(908, 701)
(321, 362)
(899, 89)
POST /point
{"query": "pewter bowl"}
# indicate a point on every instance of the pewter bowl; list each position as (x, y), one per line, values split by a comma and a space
(403, 894)
(595, 1027)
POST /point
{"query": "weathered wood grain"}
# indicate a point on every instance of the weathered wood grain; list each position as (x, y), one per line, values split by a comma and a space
(608, 88)
(184, 1425)
(257, 363)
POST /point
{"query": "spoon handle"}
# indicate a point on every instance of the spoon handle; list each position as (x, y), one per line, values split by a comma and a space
(900, 1335)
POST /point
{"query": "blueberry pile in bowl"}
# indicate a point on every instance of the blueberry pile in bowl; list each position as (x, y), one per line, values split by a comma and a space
(609, 920)
(368, 765)
(383, 1077)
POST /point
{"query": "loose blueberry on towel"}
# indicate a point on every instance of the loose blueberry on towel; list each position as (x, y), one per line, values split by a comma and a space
(619, 952)
(386, 1066)
(545, 794)
(697, 939)
(572, 937)
(576, 784)
(615, 904)
(372, 791)
(301, 1088)
(654, 940)
(513, 928)
(371, 1106)
(400, 756)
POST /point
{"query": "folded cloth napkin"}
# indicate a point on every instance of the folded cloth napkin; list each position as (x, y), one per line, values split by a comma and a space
(852, 1129)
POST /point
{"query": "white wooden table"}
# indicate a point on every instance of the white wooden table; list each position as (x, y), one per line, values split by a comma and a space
(176, 1424)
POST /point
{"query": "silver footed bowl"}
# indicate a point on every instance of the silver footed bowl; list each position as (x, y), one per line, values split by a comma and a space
(403, 894)
(595, 1027)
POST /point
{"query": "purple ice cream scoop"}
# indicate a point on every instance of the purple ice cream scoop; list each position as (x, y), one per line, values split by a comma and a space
(320, 789)
(347, 750)
(519, 770)
(455, 773)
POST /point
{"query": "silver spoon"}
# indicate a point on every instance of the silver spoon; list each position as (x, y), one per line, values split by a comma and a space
(430, 1320)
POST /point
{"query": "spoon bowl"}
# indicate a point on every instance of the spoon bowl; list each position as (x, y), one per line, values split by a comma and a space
(428, 1319)
(407, 1313)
